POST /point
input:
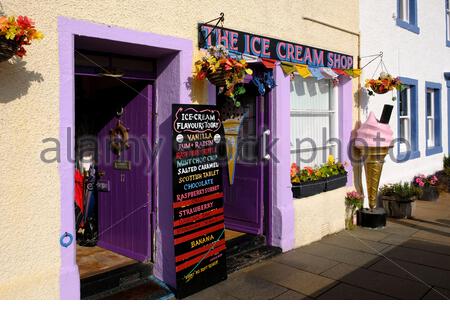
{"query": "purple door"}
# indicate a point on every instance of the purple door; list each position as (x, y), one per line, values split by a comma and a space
(124, 210)
(243, 201)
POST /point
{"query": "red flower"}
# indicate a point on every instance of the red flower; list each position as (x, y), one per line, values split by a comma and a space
(25, 22)
(294, 170)
(310, 170)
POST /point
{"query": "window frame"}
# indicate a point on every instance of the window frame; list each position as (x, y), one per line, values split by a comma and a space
(412, 23)
(436, 89)
(333, 114)
(414, 153)
(447, 22)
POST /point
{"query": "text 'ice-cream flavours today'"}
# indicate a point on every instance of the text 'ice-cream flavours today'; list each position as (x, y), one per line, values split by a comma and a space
(373, 133)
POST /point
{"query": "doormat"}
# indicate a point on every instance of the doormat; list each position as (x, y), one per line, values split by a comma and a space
(247, 250)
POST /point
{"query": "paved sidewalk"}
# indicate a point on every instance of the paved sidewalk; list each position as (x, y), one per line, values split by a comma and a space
(408, 259)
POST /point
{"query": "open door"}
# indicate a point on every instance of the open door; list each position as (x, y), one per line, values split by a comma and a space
(124, 206)
(243, 201)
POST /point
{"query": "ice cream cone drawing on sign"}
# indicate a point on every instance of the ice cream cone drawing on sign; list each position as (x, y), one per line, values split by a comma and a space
(373, 141)
(232, 127)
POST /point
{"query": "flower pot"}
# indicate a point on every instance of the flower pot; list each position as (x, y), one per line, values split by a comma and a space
(218, 78)
(307, 189)
(349, 219)
(398, 208)
(429, 193)
(8, 49)
(336, 182)
(378, 90)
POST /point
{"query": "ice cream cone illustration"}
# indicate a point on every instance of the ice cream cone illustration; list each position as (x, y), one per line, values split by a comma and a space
(231, 127)
(373, 140)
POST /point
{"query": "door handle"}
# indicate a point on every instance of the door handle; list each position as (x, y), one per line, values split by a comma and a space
(101, 173)
(266, 134)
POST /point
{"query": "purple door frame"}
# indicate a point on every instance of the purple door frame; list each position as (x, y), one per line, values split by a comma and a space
(174, 69)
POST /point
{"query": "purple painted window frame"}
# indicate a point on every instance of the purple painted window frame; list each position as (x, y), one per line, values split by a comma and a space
(170, 86)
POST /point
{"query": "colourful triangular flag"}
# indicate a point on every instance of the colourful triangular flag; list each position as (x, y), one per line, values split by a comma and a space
(353, 72)
(250, 58)
(288, 68)
(316, 73)
(328, 73)
(268, 63)
(340, 72)
(357, 72)
(303, 70)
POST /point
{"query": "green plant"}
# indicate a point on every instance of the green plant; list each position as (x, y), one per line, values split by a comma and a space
(354, 200)
(400, 190)
(446, 164)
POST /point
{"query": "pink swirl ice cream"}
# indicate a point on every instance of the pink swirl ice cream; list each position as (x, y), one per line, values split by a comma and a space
(373, 133)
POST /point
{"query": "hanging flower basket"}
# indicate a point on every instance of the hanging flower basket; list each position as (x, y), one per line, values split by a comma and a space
(383, 84)
(8, 49)
(223, 71)
(218, 78)
(15, 34)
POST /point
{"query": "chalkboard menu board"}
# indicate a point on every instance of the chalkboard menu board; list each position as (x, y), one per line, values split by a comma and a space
(198, 223)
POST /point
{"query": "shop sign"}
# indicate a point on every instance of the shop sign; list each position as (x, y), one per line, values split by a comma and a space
(198, 222)
(269, 48)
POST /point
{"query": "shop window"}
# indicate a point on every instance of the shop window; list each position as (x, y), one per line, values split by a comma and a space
(314, 121)
(447, 21)
(433, 118)
(407, 15)
(407, 121)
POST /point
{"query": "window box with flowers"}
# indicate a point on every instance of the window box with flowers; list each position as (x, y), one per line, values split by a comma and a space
(428, 185)
(310, 181)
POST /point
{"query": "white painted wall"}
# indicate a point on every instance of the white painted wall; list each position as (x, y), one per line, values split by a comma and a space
(318, 216)
(423, 56)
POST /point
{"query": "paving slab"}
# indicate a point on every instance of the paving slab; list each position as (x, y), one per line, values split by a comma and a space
(432, 236)
(414, 272)
(248, 287)
(437, 293)
(357, 244)
(396, 227)
(347, 292)
(375, 281)
(303, 282)
(363, 233)
(305, 261)
(420, 257)
(212, 293)
(291, 295)
(340, 254)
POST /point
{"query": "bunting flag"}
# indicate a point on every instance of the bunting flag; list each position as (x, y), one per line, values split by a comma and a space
(340, 72)
(316, 73)
(288, 68)
(328, 73)
(268, 63)
(353, 72)
(249, 58)
(303, 70)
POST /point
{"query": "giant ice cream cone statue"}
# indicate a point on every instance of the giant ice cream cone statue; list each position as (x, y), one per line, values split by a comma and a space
(373, 140)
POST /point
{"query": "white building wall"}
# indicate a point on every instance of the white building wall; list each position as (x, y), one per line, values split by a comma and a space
(423, 56)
